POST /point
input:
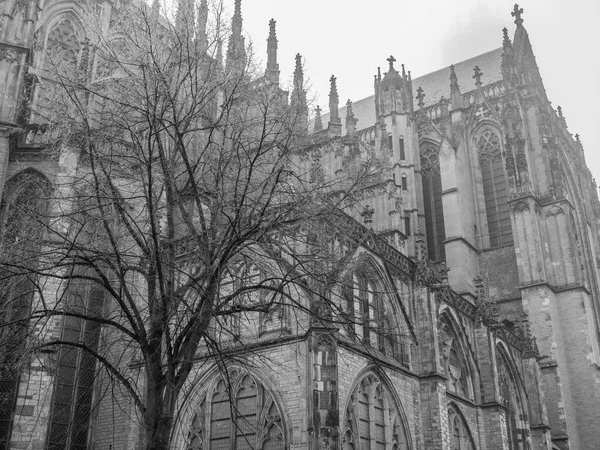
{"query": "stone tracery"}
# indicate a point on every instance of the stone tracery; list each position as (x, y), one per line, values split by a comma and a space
(373, 418)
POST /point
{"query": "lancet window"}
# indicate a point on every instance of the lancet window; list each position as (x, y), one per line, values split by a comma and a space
(369, 320)
(237, 413)
(372, 418)
(515, 419)
(23, 215)
(495, 189)
(454, 363)
(460, 439)
(432, 202)
(76, 372)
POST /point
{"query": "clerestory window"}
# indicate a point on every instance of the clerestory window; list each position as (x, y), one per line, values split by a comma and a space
(495, 189)
(369, 321)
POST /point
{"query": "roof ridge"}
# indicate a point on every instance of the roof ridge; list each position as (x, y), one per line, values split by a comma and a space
(455, 64)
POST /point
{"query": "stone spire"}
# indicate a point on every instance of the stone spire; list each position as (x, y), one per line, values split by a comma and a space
(335, 123)
(201, 36)
(455, 97)
(318, 120)
(272, 72)
(184, 19)
(236, 49)
(507, 58)
(298, 101)
(350, 120)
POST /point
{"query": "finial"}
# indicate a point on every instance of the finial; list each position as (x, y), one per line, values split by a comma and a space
(420, 96)
(335, 123)
(516, 13)
(367, 215)
(298, 69)
(409, 77)
(391, 60)
(333, 86)
(318, 121)
(379, 73)
(272, 72)
(505, 39)
(453, 81)
(350, 119)
(403, 71)
(236, 47)
(560, 113)
(577, 139)
(477, 76)
(349, 112)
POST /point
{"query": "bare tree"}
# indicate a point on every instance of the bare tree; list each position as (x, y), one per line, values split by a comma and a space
(178, 173)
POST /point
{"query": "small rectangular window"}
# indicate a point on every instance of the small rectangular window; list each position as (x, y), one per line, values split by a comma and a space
(390, 142)
(404, 183)
(407, 225)
(402, 153)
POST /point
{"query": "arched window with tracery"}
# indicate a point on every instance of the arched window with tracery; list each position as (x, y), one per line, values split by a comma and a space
(238, 413)
(516, 419)
(432, 202)
(370, 319)
(454, 362)
(495, 188)
(372, 418)
(460, 438)
(23, 218)
(63, 41)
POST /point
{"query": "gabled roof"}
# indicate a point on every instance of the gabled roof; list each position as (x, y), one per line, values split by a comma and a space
(434, 84)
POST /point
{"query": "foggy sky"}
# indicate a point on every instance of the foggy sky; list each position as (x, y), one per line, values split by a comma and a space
(351, 39)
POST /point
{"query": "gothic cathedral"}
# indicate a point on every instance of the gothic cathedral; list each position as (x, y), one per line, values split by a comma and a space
(484, 239)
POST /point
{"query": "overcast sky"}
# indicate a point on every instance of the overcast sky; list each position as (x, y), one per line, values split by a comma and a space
(351, 39)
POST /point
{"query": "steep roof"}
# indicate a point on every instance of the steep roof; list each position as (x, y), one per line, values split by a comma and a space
(434, 84)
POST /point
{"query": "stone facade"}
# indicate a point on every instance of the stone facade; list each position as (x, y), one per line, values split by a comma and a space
(499, 352)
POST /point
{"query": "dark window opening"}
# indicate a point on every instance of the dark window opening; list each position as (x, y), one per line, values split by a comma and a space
(402, 152)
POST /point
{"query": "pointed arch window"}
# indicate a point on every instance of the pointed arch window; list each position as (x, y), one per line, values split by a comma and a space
(64, 41)
(454, 363)
(517, 428)
(495, 189)
(23, 217)
(432, 202)
(372, 418)
(460, 438)
(370, 320)
(237, 413)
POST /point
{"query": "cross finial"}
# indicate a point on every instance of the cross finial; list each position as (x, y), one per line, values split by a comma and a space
(477, 76)
(577, 139)
(420, 96)
(516, 13)
(560, 113)
(391, 60)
